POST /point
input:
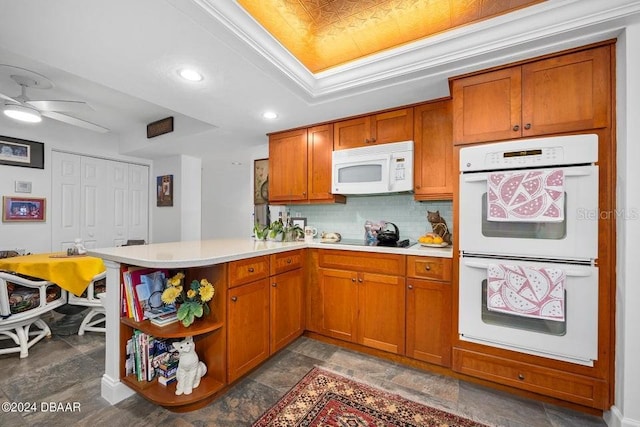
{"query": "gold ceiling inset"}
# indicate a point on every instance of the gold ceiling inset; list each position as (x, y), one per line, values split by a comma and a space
(326, 33)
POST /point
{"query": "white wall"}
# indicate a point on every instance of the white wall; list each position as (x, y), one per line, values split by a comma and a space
(182, 221)
(227, 193)
(36, 236)
(626, 411)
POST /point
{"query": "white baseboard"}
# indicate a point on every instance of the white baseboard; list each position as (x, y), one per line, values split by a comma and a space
(113, 391)
(615, 418)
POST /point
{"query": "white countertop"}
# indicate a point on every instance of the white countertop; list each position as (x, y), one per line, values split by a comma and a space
(208, 252)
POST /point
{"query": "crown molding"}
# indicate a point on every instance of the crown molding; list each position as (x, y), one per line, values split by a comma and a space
(536, 30)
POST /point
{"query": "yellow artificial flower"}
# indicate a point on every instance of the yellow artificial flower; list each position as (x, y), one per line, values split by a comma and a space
(175, 280)
(191, 293)
(170, 294)
(206, 290)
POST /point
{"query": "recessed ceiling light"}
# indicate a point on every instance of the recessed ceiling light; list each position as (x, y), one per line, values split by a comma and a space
(270, 115)
(22, 113)
(190, 74)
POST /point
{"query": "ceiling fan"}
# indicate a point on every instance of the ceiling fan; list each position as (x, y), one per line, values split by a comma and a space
(23, 108)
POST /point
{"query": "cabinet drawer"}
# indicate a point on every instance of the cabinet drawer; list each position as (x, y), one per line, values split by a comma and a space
(422, 267)
(369, 262)
(549, 382)
(248, 270)
(286, 261)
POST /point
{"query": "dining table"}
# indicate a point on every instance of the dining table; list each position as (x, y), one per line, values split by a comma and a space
(72, 273)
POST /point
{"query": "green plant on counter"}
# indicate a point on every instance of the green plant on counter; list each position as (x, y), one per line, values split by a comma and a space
(276, 231)
(260, 232)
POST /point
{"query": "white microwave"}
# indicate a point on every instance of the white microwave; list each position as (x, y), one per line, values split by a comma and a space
(378, 169)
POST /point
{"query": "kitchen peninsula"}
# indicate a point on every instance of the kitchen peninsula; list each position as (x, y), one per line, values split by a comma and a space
(233, 265)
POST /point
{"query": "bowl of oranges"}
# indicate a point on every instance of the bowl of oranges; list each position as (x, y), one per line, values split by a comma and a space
(432, 240)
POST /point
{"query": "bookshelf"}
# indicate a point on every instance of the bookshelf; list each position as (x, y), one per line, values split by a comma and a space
(209, 335)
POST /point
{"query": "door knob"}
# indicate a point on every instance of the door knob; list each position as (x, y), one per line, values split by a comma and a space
(274, 285)
(289, 261)
(527, 126)
(427, 267)
(521, 376)
(516, 128)
(234, 299)
(410, 286)
(251, 270)
(353, 280)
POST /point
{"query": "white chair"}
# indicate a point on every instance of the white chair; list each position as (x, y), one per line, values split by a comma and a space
(92, 297)
(23, 300)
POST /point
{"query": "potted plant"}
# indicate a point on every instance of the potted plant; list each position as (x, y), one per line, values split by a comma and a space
(276, 231)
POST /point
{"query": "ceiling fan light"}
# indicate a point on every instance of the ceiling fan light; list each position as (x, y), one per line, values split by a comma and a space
(22, 113)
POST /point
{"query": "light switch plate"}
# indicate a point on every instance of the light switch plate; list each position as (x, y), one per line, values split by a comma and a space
(23, 187)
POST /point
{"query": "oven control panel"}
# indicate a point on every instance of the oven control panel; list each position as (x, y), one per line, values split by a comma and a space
(524, 158)
(530, 153)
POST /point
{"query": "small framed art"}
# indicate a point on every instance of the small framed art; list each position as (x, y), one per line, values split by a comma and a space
(21, 152)
(165, 190)
(23, 209)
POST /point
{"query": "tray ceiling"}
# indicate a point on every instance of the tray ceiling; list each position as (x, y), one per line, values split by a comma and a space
(323, 34)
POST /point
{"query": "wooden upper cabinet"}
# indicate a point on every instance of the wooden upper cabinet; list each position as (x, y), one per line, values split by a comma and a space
(320, 147)
(433, 151)
(288, 166)
(300, 166)
(486, 107)
(566, 93)
(382, 128)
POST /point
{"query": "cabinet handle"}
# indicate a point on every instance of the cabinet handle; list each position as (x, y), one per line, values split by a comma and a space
(521, 376)
(234, 299)
(289, 261)
(410, 287)
(516, 128)
(353, 280)
(304, 193)
(417, 187)
(527, 126)
(250, 269)
(275, 285)
(366, 141)
(373, 140)
(427, 267)
(360, 280)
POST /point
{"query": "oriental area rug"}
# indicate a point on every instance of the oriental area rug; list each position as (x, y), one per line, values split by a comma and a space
(324, 399)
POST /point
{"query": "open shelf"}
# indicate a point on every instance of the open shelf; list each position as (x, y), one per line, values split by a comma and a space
(166, 395)
(174, 330)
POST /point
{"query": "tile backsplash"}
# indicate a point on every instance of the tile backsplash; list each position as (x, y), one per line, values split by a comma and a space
(348, 219)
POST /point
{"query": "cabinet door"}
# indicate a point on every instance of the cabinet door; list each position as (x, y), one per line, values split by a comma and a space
(248, 334)
(337, 303)
(320, 147)
(381, 306)
(433, 151)
(567, 93)
(352, 133)
(429, 321)
(288, 166)
(487, 107)
(392, 126)
(287, 321)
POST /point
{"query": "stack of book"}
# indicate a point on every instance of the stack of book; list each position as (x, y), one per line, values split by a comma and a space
(142, 289)
(166, 318)
(166, 372)
(149, 357)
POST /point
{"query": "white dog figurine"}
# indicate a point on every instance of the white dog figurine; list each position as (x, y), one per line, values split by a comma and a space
(190, 369)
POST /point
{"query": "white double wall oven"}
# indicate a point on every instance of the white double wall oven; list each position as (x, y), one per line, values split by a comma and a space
(528, 246)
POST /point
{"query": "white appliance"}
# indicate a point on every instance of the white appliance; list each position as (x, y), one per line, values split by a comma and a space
(378, 169)
(508, 220)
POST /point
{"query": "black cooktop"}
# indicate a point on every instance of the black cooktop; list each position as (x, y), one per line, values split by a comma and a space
(357, 242)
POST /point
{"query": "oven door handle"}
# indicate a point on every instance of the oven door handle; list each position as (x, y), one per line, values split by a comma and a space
(574, 171)
(567, 271)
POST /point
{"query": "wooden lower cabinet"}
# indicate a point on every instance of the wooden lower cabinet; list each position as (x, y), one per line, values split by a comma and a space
(429, 321)
(564, 385)
(287, 314)
(248, 323)
(364, 308)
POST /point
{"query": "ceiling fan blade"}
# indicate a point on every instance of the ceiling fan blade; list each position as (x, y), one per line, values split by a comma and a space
(8, 98)
(68, 106)
(73, 121)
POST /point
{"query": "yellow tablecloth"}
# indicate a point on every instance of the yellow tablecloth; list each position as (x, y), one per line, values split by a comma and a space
(73, 273)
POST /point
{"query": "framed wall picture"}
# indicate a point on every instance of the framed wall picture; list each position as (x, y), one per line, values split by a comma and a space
(165, 190)
(261, 181)
(21, 152)
(23, 209)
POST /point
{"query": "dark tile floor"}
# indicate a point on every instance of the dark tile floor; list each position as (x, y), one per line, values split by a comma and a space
(67, 369)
